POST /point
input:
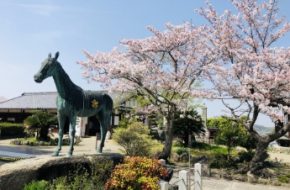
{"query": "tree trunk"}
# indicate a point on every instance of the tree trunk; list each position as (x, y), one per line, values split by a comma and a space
(165, 154)
(257, 162)
(260, 156)
(43, 134)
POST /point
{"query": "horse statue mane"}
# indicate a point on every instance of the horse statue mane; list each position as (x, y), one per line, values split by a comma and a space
(73, 101)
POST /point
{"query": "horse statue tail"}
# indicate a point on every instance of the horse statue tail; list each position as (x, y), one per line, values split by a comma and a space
(108, 114)
(109, 103)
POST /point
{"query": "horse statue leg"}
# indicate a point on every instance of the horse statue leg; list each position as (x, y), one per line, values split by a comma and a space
(61, 122)
(72, 132)
(105, 123)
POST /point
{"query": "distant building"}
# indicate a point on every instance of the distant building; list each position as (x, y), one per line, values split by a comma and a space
(19, 108)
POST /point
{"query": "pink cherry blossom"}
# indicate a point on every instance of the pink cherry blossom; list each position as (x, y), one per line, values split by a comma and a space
(164, 67)
(250, 67)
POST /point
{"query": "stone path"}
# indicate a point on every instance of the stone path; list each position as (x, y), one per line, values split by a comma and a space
(86, 146)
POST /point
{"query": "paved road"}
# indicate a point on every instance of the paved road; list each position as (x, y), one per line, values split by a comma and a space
(221, 184)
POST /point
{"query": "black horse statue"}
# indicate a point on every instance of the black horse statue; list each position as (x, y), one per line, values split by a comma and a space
(73, 101)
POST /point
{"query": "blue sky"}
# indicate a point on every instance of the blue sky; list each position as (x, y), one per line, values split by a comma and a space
(30, 29)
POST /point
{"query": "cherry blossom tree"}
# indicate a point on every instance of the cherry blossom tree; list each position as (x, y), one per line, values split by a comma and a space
(163, 68)
(250, 67)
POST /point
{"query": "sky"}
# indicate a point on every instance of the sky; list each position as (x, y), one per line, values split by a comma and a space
(30, 29)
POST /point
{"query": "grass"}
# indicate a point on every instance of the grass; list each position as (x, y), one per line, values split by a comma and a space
(203, 149)
(283, 179)
(9, 159)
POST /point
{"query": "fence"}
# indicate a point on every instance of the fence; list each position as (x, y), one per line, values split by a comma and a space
(184, 181)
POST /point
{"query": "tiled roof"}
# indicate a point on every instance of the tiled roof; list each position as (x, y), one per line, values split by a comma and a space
(38, 100)
(35, 100)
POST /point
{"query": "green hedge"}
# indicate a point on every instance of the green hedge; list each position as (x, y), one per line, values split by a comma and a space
(11, 129)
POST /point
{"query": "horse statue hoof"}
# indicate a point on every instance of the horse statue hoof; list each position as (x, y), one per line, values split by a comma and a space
(55, 153)
(69, 155)
(99, 150)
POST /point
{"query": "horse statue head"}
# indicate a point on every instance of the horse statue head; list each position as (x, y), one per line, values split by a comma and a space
(47, 68)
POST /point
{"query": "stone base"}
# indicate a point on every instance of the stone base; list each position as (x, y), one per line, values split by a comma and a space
(15, 175)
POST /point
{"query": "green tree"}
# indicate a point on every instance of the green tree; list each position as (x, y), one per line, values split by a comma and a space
(230, 132)
(40, 122)
(187, 124)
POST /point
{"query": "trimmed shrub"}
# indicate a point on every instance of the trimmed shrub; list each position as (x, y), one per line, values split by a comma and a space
(135, 139)
(11, 129)
(136, 173)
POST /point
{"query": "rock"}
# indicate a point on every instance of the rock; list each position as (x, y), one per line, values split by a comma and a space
(15, 175)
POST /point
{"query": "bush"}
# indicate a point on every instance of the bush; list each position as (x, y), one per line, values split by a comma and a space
(79, 178)
(11, 129)
(135, 139)
(37, 185)
(86, 178)
(177, 143)
(136, 173)
(245, 156)
(181, 150)
(180, 154)
(83, 182)
(101, 169)
(221, 161)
